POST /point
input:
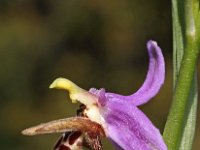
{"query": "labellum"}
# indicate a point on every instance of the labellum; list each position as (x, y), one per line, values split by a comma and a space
(77, 132)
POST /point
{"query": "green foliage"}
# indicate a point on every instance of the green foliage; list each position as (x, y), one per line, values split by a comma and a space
(180, 127)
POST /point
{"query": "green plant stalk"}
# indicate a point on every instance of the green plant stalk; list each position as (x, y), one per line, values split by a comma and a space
(190, 118)
(180, 127)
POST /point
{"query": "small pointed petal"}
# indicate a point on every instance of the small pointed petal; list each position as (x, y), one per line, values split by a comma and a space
(75, 92)
(65, 125)
(154, 79)
(130, 129)
(100, 94)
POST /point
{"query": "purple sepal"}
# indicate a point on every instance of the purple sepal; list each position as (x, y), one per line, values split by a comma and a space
(130, 128)
(154, 79)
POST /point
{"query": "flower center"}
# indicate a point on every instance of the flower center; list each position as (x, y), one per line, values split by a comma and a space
(76, 93)
(93, 114)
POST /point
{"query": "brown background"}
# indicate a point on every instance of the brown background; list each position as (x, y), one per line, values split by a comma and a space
(94, 43)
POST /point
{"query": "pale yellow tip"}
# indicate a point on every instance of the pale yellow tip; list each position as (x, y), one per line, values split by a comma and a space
(65, 84)
(75, 92)
(62, 83)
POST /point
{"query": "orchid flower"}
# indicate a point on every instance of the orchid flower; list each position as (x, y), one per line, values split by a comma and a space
(110, 115)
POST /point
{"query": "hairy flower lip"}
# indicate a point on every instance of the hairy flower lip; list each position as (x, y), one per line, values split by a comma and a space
(64, 125)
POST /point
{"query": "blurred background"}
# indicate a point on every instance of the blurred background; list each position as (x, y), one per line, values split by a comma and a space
(93, 43)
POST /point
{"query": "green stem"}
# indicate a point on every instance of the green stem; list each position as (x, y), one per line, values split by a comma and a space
(186, 52)
(190, 118)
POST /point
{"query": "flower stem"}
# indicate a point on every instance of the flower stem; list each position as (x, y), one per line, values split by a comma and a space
(180, 125)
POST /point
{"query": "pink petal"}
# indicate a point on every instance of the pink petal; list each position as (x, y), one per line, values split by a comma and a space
(130, 129)
(154, 79)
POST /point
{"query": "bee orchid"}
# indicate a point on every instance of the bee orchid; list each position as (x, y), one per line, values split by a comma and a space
(105, 114)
